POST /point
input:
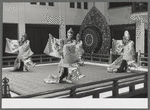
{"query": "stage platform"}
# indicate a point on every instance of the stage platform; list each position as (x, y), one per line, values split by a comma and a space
(25, 83)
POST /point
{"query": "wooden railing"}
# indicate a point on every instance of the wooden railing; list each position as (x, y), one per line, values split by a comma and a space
(143, 59)
(40, 58)
(8, 61)
(95, 57)
(94, 89)
(43, 58)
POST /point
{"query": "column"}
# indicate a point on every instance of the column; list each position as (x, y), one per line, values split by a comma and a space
(21, 19)
(140, 36)
(62, 15)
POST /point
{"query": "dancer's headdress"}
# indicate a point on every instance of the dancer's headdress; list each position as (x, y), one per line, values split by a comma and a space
(70, 31)
(25, 36)
(126, 33)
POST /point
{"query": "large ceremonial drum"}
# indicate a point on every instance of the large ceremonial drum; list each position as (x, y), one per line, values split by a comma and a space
(95, 33)
(92, 40)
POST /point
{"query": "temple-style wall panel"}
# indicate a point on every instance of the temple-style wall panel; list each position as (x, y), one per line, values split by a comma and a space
(95, 32)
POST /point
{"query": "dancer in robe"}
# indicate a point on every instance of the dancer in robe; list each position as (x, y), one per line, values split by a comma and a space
(80, 52)
(127, 58)
(117, 49)
(22, 48)
(65, 62)
(69, 60)
(129, 52)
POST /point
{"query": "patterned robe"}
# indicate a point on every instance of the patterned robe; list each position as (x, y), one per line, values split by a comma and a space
(128, 55)
(69, 57)
(24, 52)
(129, 52)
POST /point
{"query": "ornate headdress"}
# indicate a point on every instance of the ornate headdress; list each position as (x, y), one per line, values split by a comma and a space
(126, 32)
(78, 34)
(24, 35)
(70, 31)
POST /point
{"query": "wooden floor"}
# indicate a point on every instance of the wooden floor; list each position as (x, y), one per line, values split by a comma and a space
(25, 83)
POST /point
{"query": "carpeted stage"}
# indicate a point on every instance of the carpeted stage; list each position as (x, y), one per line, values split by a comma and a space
(24, 83)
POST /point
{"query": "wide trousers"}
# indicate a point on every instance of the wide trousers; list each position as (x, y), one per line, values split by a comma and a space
(123, 66)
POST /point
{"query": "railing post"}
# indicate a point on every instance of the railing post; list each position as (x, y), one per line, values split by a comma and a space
(110, 57)
(50, 59)
(131, 88)
(115, 91)
(146, 81)
(139, 55)
(96, 95)
(72, 93)
(9, 63)
(91, 56)
(40, 58)
(100, 60)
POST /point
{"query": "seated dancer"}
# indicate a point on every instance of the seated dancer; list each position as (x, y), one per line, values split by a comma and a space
(129, 52)
(68, 60)
(126, 59)
(23, 60)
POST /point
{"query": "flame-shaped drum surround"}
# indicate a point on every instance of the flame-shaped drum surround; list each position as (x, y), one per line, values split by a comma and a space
(95, 32)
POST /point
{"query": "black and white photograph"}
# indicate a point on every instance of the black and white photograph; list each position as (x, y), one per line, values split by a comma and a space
(74, 50)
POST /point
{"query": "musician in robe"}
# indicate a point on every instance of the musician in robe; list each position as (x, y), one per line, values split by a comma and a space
(23, 60)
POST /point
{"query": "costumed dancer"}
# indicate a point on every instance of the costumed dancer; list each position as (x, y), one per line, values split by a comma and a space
(80, 52)
(79, 47)
(117, 48)
(129, 52)
(23, 60)
(127, 58)
(65, 62)
(62, 46)
(69, 59)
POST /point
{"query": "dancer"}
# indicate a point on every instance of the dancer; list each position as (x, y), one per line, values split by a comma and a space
(122, 67)
(23, 60)
(65, 62)
(129, 52)
(79, 48)
(118, 49)
(80, 52)
(127, 58)
(66, 50)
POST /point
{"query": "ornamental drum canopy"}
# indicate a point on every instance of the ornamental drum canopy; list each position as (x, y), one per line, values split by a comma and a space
(95, 32)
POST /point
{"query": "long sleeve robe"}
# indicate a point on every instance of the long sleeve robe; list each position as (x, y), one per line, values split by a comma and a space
(128, 55)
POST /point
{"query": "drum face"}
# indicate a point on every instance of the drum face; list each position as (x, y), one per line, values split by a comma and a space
(92, 40)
